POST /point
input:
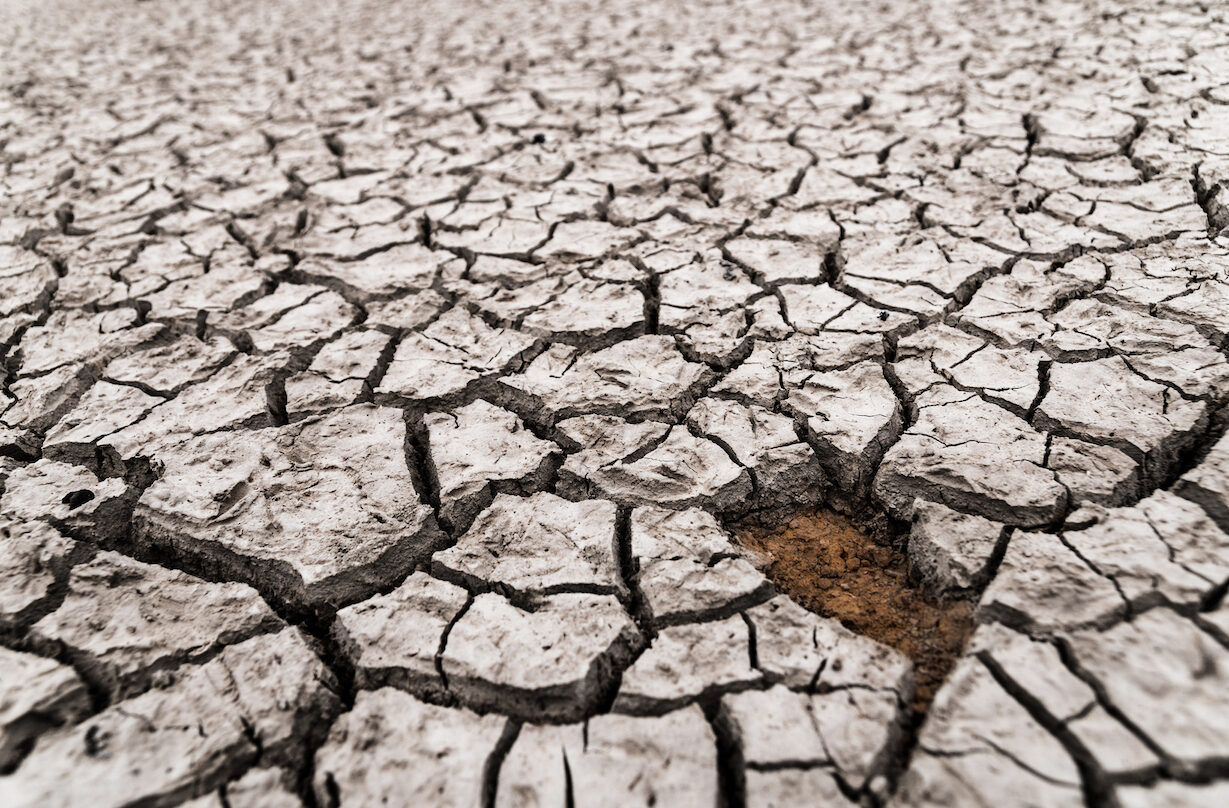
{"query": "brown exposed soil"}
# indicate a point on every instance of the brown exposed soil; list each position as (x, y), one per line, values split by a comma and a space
(828, 565)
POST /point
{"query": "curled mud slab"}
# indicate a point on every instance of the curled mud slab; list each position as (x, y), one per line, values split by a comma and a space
(379, 383)
(825, 562)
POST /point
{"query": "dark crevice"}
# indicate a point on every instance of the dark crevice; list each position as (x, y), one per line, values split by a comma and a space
(490, 769)
(731, 777)
(1098, 792)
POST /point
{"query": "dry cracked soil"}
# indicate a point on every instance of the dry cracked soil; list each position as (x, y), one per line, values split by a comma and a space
(516, 404)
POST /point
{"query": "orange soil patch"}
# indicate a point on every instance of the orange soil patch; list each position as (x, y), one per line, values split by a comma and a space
(826, 564)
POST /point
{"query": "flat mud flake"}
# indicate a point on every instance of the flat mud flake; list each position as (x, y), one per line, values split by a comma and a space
(69, 497)
(196, 411)
(1178, 795)
(685, 663)
(1168, 678)
(952, 551)
(1106, 402)
(33, 557)
(171, 367)
(1207, 484)
(539, 544)
(478, 451)
(1164, 550)
(394, 749)
(853, 729)
(774, 727)
(403, 267)
(682, 472)
(1035, 668)
(825, 563)
(773, 787)
(784, 470)
(670, 760)
(688, 567)
(104, 409)
(812, 309)
(555, 662)
(614, 761)
(122, 621)
(773, 368)
(973, 456)
(778, 260)
(36, 695)
(77, 337)
(254, 700)
(393, 639)
(321, 511)
(1012, 306)
(1045, 586)
(700, 293)
(588, 311)
(805, 651)
(451, 353)
(259, 788)
(1009, 377)
(851, 416)
(24, 279)
(636, 379)
(1094, 473)
(981, 747)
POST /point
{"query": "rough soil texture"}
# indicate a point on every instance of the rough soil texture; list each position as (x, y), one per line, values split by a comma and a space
(382, 386)
(828, 564)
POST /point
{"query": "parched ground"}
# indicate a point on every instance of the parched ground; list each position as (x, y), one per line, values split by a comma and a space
(444, 403)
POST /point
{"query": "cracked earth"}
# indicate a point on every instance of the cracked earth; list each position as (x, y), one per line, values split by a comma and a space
(567, 404)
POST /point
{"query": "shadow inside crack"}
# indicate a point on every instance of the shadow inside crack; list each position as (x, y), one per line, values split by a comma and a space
(829, 565)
